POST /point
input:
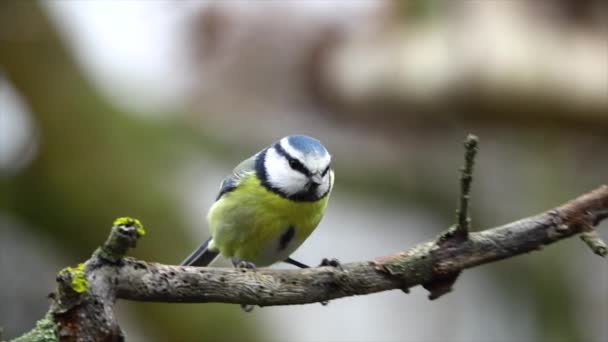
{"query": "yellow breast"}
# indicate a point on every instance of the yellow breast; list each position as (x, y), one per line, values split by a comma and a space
(249, 222)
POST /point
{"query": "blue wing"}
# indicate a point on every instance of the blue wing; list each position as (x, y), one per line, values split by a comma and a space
(232, 181)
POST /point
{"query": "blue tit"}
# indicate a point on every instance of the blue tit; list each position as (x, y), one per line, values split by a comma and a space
(269, 204)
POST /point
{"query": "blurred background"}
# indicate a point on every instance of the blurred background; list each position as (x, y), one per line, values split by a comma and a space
(111, 108)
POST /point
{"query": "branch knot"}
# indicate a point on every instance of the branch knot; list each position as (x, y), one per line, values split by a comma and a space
(124, 235)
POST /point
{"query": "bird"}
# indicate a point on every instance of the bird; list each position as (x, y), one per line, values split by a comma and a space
(269, 205)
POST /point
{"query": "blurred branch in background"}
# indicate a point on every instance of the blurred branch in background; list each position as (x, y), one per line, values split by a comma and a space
(390, 64)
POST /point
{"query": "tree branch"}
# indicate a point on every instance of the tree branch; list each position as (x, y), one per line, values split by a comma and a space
(138, 280)
(466, 177)
(595, 243)
(85, 295)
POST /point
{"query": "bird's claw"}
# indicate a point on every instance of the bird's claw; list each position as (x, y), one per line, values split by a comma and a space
(242, 264)
(331, 262)
(245, 264)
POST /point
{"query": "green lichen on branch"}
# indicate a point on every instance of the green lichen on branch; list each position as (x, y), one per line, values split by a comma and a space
(131, 222)
(79, 281)
(45, 331)
(124, 235)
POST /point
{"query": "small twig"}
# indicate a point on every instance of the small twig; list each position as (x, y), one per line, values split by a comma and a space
(441, 284)
(124, 235)
(595, 242)
(466, 177)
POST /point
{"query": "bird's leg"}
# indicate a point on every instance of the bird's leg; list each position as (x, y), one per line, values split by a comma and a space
(295, 263)
(245, 265)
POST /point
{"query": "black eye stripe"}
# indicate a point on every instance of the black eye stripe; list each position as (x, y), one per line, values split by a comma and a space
(296, 165)
(293, 162)
(325, 171)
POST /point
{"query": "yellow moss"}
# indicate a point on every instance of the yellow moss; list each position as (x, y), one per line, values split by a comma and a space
(129, 221)
(79, 279)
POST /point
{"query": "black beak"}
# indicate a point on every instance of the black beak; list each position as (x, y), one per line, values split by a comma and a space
(316, 179)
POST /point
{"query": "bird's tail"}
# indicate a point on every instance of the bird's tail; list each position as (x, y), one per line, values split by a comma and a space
(202, 256)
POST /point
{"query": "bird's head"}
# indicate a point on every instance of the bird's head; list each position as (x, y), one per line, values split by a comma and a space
(296, 167)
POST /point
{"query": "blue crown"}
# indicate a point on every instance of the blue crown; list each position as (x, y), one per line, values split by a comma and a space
(307, 144)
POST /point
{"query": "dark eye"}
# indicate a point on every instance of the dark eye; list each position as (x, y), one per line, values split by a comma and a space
(293, 164)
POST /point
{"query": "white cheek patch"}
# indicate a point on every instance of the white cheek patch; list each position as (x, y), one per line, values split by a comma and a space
(281, 176)
(324, 187)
